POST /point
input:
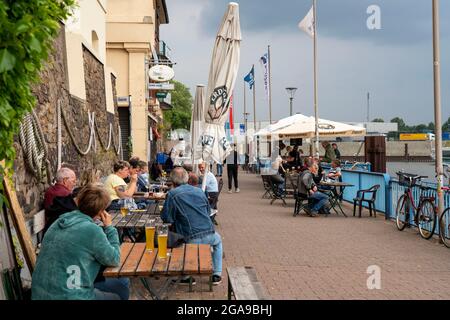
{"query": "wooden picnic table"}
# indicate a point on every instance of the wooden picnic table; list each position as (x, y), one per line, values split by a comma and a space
(136, 218)
(188, 259)
(154, 196)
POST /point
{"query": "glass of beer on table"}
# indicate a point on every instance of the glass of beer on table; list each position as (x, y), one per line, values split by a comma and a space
(124, 209)
(150, 235)
(163, 232)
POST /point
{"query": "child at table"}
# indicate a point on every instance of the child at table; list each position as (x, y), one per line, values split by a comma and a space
(335, 172)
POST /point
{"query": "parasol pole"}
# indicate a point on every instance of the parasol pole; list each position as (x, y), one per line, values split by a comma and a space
(316, 107)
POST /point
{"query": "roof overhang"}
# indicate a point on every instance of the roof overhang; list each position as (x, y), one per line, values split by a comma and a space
(161, 8)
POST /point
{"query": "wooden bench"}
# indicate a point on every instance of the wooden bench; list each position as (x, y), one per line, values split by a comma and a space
(244, 285)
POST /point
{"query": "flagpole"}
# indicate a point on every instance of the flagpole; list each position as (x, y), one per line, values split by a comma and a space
(254, 116)
(316, 107)
(437, 106)
(270, 85)
(245, 120)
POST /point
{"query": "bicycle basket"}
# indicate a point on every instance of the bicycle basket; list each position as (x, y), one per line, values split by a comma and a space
(406, 180)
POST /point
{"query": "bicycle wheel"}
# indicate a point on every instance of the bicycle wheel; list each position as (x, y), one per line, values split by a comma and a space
(426, 219)
(444, 227)
(402, 212)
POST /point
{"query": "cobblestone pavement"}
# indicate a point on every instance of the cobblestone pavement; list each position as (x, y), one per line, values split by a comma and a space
(323, 257)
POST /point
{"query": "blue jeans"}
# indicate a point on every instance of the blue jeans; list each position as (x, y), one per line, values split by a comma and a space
(215, 240)
(112, 289)
(319, 200)
(219, 169)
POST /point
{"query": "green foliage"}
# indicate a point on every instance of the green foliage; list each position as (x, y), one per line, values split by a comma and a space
(377, 120)
(180, 116)
(28, 28)
(446, 125)
(430, 127)
(400, 122)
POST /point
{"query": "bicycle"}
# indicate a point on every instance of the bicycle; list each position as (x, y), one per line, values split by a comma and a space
(425, 213)
(444, 220)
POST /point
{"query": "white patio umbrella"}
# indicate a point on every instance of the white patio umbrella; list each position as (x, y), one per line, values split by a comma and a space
(197, 120)
(280, 124)
(222, 77)
(304, 127)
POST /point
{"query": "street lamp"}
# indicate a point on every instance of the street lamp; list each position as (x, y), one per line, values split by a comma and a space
(291, 93)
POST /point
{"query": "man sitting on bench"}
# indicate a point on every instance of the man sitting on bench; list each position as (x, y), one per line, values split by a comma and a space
(307, 186)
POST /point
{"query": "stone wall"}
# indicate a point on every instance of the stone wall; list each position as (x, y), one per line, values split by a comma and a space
(52, 89)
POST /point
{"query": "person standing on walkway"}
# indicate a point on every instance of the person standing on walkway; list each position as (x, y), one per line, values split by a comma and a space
(232, 170)
(330, 155)
(336, 151)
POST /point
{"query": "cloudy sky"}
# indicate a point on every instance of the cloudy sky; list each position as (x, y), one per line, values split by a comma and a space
(394, 63)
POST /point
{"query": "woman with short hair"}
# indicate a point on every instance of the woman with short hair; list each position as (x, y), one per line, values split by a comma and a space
(74, 249)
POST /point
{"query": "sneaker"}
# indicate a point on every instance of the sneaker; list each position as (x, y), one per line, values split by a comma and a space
(185, 281)
(216, 280)
(237, 190)
(230, 191)
(313, 213)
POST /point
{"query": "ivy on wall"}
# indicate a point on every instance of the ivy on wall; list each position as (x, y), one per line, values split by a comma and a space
(28, 28)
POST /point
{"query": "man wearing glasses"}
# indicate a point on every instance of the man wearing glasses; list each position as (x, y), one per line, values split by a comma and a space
(66, 181)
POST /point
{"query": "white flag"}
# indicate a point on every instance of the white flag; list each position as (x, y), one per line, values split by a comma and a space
(265, 65)
(307, 24)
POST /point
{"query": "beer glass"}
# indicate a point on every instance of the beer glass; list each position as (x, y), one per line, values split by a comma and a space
(150, 235)
(124, 209)
(163, 232)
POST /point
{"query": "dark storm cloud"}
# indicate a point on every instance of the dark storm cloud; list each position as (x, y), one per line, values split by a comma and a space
(403, 22)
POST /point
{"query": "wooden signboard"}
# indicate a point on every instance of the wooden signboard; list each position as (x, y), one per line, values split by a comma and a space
(18, 220)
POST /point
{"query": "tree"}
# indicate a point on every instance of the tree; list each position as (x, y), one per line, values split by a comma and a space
(378, 120)
(26, 39)
(446, 125)
(421, 128)
(179, 117)
(401, 124)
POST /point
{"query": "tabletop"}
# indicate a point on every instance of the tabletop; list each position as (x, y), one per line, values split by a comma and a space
(135, 219)
(188, 259)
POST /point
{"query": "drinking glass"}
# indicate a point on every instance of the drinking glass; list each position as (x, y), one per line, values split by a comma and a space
(125, 208)
(150, 235)
(163, 232)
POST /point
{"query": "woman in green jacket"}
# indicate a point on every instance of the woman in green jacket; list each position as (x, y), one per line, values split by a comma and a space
(73, 250)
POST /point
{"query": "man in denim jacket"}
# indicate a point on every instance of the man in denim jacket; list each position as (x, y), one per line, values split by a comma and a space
(187, 208)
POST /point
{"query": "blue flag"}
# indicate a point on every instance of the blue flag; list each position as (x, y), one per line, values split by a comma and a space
(250, 78)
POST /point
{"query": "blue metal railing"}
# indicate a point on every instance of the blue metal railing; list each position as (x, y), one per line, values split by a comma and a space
(364, 180)
(397, 190)
(347, 165)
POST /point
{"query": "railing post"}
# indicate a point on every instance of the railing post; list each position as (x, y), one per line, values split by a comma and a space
(388, 200)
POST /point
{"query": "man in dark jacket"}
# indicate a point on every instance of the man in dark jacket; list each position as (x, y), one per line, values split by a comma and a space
(232, 170)
(336, 151)
(308, 187)
(59, 206)
(329, 152)
(187, 209)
